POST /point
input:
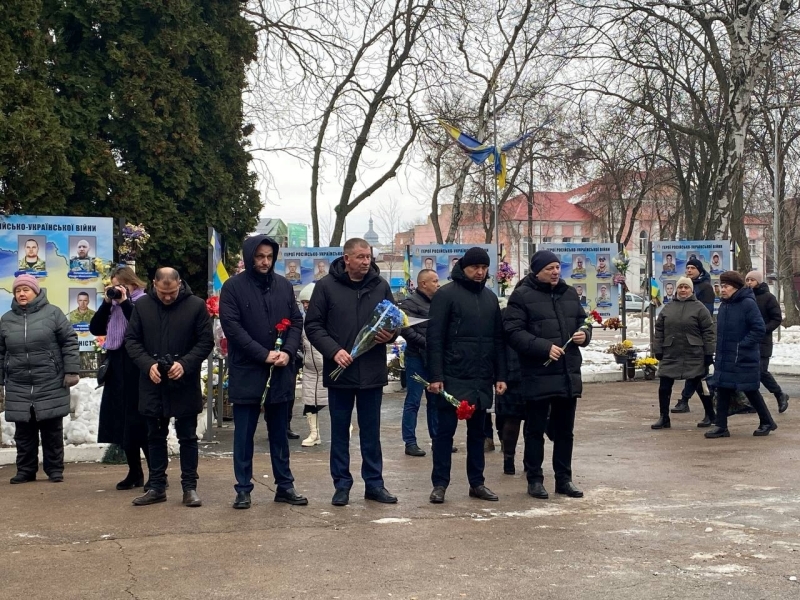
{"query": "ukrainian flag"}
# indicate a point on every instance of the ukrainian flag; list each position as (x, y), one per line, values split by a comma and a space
(220, 273)
(655, 291)
(476, 151)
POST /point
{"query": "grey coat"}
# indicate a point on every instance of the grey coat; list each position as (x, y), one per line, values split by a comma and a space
(37, 348)
(684, 335)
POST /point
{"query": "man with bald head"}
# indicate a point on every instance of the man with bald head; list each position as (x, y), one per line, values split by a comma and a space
(168, 338)
(82, 261)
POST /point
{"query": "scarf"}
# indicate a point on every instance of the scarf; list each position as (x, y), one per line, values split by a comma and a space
(117, 323)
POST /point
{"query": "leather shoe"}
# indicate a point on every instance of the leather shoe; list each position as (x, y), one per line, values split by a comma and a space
(22, 478)
(783, 403)
(131, 482)
(437, 495)
(706, 422)
(290, 496)
(482, 492)
(56, 478)
(536, 489)
(292, 435)
(242, 500)
(414, 450)
(569, 489)
(662, 423)
(191, 499)
(682, 406)
(764, 429)
(380, 494)
(717, 432)
(150, 497)
(341, 497)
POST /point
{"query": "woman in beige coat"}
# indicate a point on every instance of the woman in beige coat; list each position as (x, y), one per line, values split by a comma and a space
(315, 396)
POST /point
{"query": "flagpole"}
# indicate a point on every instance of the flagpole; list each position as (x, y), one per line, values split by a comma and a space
(496, 187)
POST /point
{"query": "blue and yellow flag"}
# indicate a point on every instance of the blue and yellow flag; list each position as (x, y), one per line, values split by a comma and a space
(220, 273)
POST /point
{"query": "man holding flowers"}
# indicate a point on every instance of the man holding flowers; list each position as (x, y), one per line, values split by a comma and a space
(545, 323)
(342, 303)
(262, 324)
(466, 357)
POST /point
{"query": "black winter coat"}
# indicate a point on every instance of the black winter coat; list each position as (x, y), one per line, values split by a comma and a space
(704, 292)
(538, 317)
(465, 346)
(416, 305)
(181, 329)
(684, 336)
(740, 329)
(339, 308)
(771, 313)
(250, 306)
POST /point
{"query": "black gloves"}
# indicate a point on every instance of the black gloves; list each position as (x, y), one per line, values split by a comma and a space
(708, 360)
(659, 357)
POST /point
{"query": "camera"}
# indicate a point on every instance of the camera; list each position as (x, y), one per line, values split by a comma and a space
(165, 364)
(113, 293)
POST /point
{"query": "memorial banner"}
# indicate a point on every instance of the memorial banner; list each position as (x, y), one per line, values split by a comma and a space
(302, 266)
(443, 257)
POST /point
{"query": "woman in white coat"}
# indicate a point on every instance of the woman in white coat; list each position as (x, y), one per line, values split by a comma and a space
(315, 396)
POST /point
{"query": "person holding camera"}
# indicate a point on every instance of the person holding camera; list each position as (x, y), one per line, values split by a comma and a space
(120, 421)
(168, 338)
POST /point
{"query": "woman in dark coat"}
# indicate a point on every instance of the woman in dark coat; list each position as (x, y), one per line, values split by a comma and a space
(510, 410)
(40, 361)
(120, 421)
(684, 346)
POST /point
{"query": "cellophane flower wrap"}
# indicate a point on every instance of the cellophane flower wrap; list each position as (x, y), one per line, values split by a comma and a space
(464, 409)
(385, 316)
(282, 327)
(592, 318)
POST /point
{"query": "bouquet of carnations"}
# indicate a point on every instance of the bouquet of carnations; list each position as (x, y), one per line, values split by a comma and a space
(463, 408)
(385, 316)
(592, 317)
(281, 328)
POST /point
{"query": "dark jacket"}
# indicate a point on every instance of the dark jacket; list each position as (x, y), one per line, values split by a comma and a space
(416, 305)
(539, 316)
(38, 347)
(771, 313)
(684, 335)
(465, 340)
(339, 308)
(704, 292)
(182, 330)
(250, 305)
(740, 330)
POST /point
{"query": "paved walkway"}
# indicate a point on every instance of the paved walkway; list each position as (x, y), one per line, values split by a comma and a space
(666, 515)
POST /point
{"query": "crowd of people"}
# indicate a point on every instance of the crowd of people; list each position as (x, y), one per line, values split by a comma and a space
(524, 359)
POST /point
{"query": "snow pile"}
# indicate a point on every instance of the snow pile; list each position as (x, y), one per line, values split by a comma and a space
(80, 426)
(785, 352)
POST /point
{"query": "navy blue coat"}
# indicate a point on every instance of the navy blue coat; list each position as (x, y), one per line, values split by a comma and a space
(740, 329)
(250, 305)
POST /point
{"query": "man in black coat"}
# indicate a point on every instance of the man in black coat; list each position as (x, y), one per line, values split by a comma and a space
(704, 293)
(772, 315)
(466, 358)
(251, 305)
(543, 314)
(341, 304)
(417, 305)
(168, 338)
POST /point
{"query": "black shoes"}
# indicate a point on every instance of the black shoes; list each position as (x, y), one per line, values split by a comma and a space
(131, 482)
(414, 450)
(56, 477)
(707, 421)
(341, 497)
(242, 501)
(783, 402)
(662, 423)
(380, 495)
(191, 499)
(482, 492)
(717, 432)
(568, 489)
(437, 495)
(764, 429)
(22, 478)
(508, 465)
(150, 497)
(536, 489)
(290, 496)
(292, 435)
(681, 407)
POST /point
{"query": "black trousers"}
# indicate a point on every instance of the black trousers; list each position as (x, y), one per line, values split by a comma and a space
(442, 447)
(559, 427)
(245, 419)
(696, 383)
(724, 396)
(157, 432)
(767, 380)
(26, 437)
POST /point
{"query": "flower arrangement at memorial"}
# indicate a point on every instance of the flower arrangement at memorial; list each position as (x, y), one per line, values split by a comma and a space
(505, 274)
(612, 323)
(623, 349)
(134, 238)
(464, 409)
(592, 318)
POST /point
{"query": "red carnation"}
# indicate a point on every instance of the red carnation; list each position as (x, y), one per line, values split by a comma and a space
(212, 306)
(464, 410)
(596, 316)
(283, 325)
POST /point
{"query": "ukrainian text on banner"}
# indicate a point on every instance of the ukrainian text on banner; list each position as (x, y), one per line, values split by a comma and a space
(670, 258)
(589, 268)
(67, 255)
(443, 257)
(302, 266)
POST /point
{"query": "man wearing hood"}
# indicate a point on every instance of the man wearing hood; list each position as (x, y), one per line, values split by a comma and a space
(251, 305)
(771, 313)
(543, 322)
(168, 338)
(341, 304)
(466, 357)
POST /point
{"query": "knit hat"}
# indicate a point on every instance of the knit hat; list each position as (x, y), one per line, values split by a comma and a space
(28, 280)
(757, 275)
(541, 259)
(305, 293)
(685, 281)
(475, 256)
(733, 278)
(696, 264)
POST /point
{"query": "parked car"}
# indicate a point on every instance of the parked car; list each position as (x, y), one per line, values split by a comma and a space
(634, 303)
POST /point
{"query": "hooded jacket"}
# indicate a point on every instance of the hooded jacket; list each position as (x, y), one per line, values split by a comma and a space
(684, 336)
(38, 347)
(339, 308)
(771, 313)
(703, 291)
(740, 330)
(251, 304)
(465, 346)
(182, 330)
(416, 305)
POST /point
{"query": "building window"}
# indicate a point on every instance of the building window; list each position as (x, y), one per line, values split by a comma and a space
(586, 240)
(567, 240)
(753, 247)
(557, 229)
(526, 250)
(642, 242)
(576, 230)
(547, 240)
